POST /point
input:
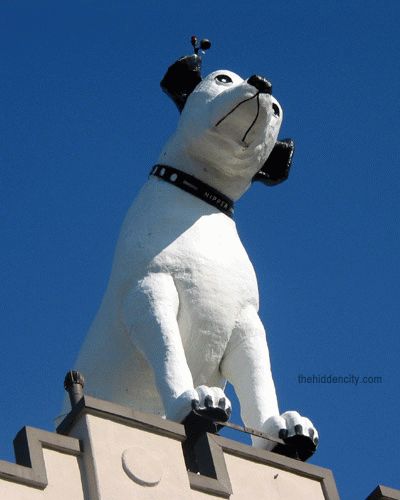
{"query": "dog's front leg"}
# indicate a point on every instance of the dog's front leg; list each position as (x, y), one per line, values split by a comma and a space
(246, 365)
(150, 312)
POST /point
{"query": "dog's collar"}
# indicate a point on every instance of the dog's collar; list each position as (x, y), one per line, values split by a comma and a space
(195, 187)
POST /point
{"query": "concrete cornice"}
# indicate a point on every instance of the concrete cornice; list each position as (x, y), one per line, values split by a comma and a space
(121, 414)
(123, 452)
(30, 468)
(206, 451)
(314, 472)
(384, 493)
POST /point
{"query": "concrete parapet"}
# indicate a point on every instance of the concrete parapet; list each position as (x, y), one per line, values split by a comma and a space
(103, 451)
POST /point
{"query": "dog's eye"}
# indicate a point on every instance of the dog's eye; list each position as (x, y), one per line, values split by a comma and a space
(223, 79)
(275, 109)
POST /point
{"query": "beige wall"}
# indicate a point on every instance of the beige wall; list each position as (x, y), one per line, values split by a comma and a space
(107, 452)
(63, 476)
(255, 480)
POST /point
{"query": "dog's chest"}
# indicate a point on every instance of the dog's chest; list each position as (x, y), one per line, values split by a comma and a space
(215, 281)
(210, 265)
(171, 231)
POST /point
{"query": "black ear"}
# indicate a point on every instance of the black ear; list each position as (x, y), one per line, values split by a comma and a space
(276, 169)
(181, 79)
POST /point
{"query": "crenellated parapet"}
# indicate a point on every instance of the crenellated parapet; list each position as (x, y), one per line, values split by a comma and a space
(104, 451)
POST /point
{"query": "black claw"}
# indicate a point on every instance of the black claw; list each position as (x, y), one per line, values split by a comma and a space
(316, 441)
(283, 433)
(208, 402)
(206, 417)
(210, 412)
(311, 433)
(298, 429)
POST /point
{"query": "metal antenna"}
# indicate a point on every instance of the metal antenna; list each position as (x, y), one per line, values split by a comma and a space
(203, 45)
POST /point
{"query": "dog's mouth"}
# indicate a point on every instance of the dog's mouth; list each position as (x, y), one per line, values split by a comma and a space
(243, 140)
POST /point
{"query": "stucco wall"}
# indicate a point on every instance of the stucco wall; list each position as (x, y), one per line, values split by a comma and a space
(104, 451)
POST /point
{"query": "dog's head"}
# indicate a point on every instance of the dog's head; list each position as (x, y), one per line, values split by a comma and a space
(228, 128)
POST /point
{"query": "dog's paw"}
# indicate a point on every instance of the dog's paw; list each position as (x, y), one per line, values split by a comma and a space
(208, 402)
(297, 432)
(209, 409)
(212, 403)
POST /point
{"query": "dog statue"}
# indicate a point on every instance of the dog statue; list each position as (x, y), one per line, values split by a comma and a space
(180, 314)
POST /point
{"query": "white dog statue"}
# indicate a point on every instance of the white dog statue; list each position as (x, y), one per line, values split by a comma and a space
(180, 314)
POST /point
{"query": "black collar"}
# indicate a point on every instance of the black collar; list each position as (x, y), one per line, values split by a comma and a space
(195, 187)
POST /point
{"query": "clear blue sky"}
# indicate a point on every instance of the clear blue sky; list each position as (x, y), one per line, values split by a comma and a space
(82, 120)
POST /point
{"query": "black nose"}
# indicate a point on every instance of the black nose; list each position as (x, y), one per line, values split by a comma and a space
(261, 84)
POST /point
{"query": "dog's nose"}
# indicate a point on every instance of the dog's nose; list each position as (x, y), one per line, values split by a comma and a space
(261, 84)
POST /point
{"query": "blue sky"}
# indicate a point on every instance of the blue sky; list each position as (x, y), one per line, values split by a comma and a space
(82, 121)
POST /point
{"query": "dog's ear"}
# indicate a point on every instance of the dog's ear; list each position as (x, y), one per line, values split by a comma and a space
(276, 169)
(181, 79)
